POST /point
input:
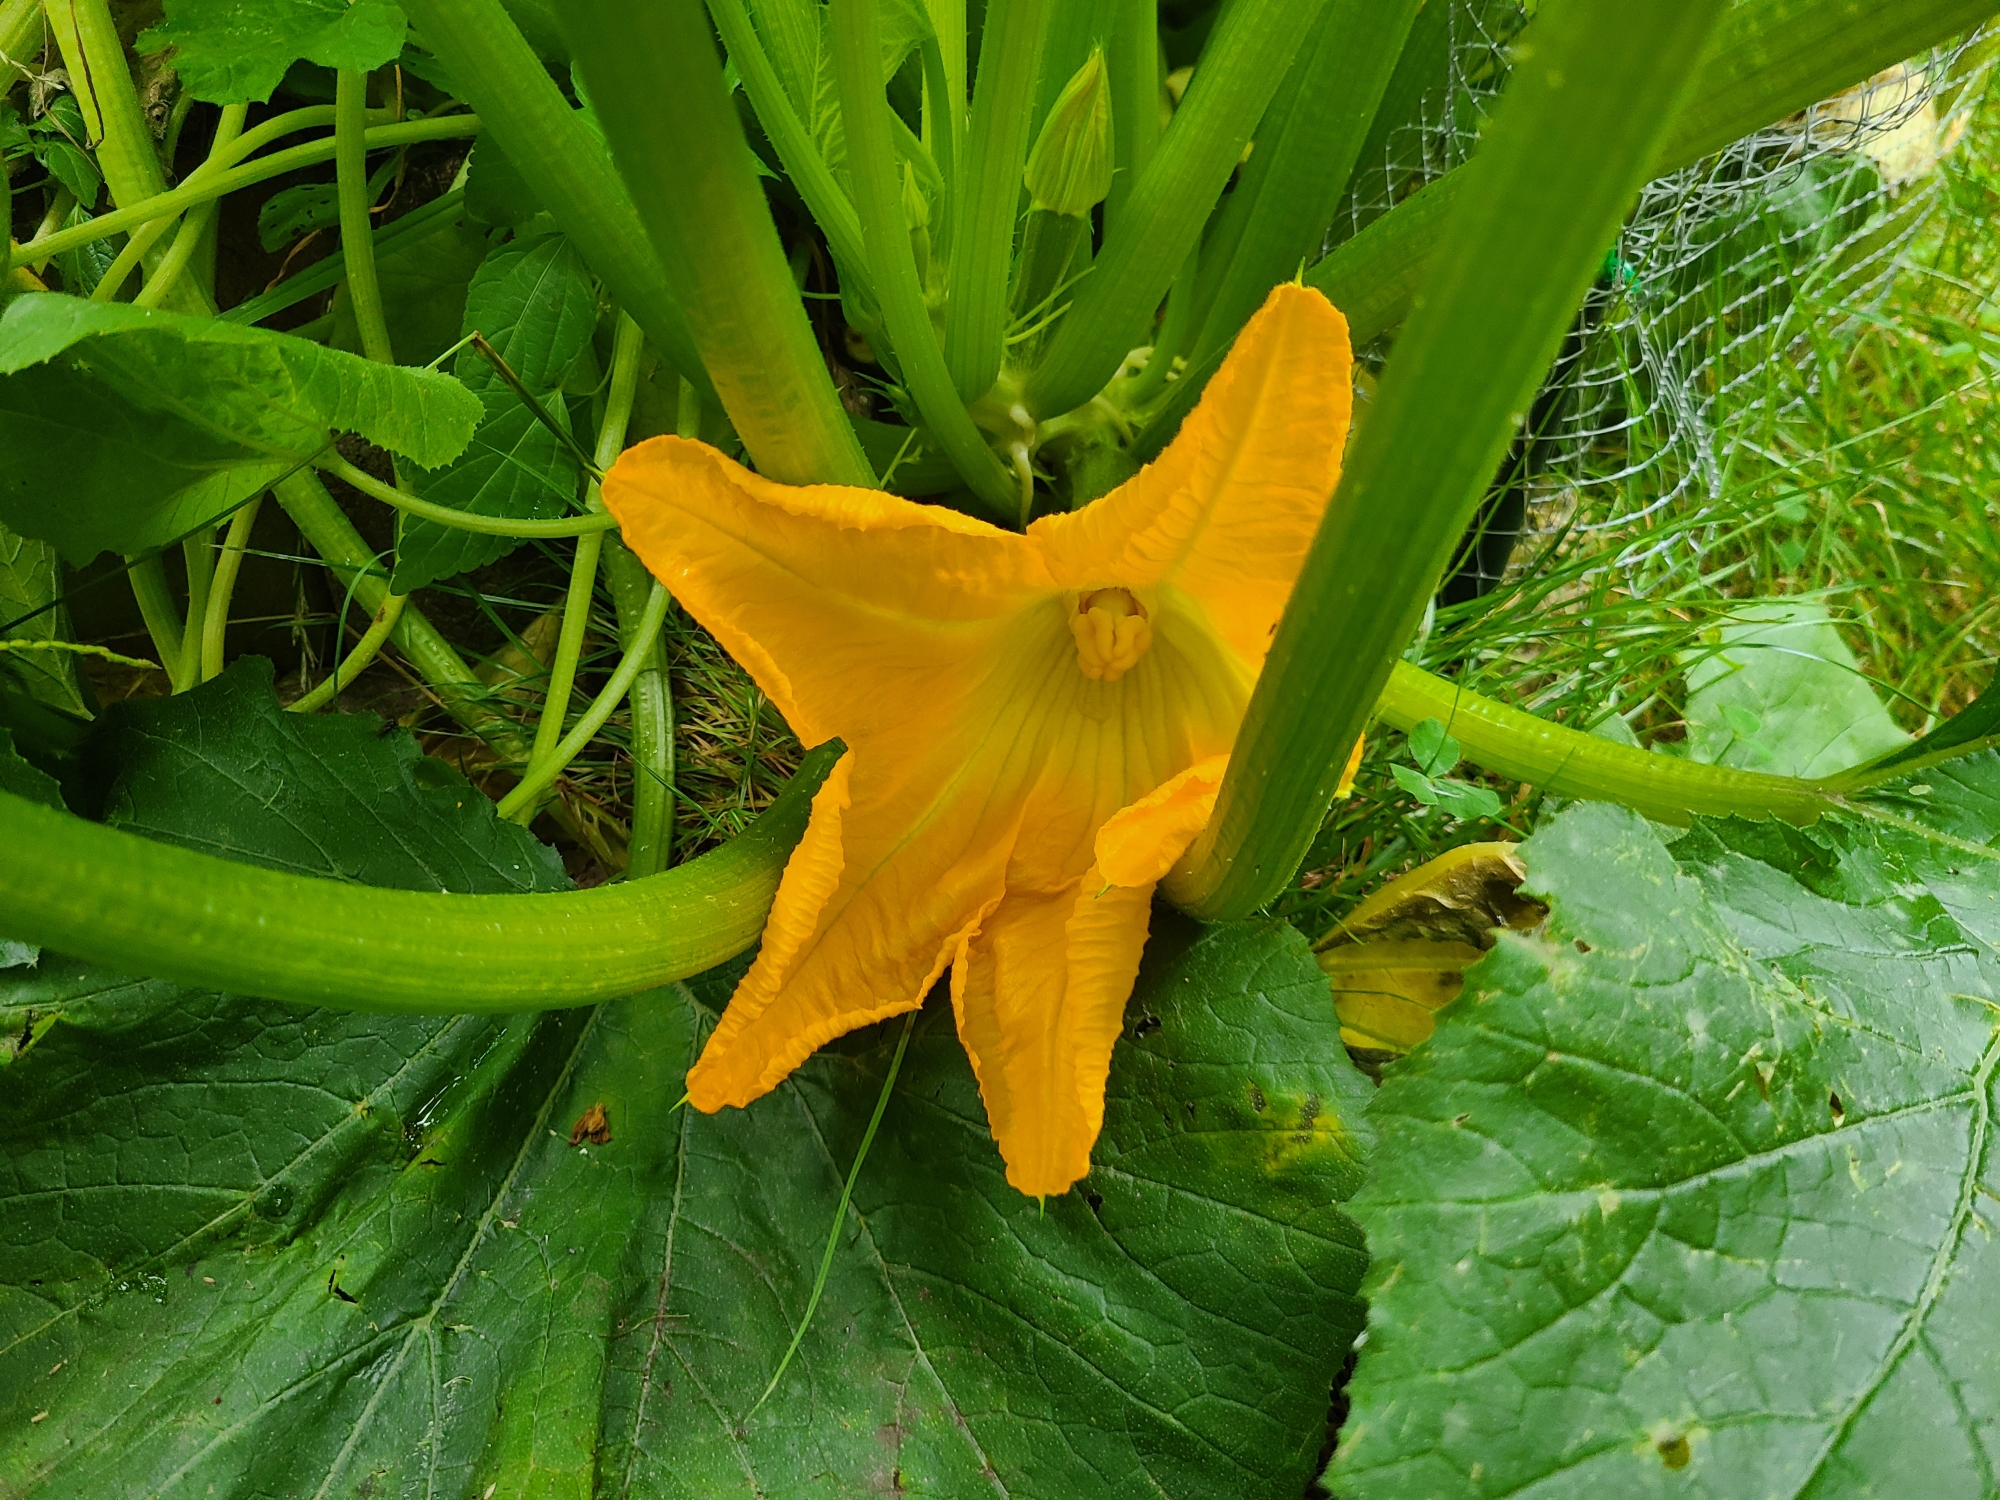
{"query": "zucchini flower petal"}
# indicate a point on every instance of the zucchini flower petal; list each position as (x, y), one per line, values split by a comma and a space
(1036, 724)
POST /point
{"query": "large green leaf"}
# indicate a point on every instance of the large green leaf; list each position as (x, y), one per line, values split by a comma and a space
(1692, 1194)
(123, 429)
(536, 305)
(31, 612)
(249, 1251)
(1782, 693)
(237, 51)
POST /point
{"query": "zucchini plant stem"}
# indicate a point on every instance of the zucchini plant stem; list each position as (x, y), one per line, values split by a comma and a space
(1245, 60)
(194, 227)
(626, 346)
(222, 588)
(199, 552)
(1592, 93)
(520, 803)
(205, 189)
(656, 82)
(356, 661)
(864, 109)
(21, 27)
(824, 197)
(651, 849)
(357, 240)
(989, 196)
(1571, 763)
(128, 902)
(156, 607)
(459, 520)
(1133, 59)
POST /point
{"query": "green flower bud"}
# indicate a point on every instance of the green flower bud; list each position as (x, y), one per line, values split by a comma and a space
(1069, 171)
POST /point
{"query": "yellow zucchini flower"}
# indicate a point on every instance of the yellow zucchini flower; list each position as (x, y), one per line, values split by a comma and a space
(1036, 724)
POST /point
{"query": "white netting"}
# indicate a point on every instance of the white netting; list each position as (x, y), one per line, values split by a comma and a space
(1698, 341)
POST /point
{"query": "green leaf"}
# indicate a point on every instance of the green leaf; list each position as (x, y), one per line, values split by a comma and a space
(1690, 1193)
(23, 779)
(147, 424)
(226, 770)
(1784, 695)
(237, 51)
(285, 1251)
(30, 588)
(537, 306)
(495, 191)
(1435, 751)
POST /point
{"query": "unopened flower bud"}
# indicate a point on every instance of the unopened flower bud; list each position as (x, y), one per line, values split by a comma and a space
(1069, 171)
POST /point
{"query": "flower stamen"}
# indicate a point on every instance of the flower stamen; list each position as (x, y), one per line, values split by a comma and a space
(1111, 632)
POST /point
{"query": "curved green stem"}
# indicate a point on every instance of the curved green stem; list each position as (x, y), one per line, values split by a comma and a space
(460, 520)
(825, 199)
(357, 238)
(354, 564)
(222, 588)
(200, 219)
(627, 344)
(356, 661)
(134, 904)
(128, 218)
(87, 37)
(521, 802)
(1571, 763)
(871, 157)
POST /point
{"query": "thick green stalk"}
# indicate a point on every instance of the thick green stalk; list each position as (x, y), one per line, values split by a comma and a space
(871, 161)
(87, 37)
(207, 189)
(656, 83)
(560, 157)
(1241, 68)
(1593, 91)
(1573, 764)
(989, 195)
(148, 576)
(460, 520)
(222, 589)
(1134, 60)
(357, 238)
(21, 28)
(1306, 149)
(134, 904)
(1775, 57)
(824, 197)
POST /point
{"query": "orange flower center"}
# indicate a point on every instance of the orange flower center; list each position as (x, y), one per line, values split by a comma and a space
(1111, 632)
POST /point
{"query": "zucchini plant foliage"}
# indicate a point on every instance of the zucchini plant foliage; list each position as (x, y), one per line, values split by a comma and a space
(1688, 1193)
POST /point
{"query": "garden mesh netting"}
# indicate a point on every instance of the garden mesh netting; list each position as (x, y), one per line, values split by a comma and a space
(1694, 402)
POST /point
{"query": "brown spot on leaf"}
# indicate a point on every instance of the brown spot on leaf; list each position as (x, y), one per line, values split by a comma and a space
(592, 1125)
(1673, 1449)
